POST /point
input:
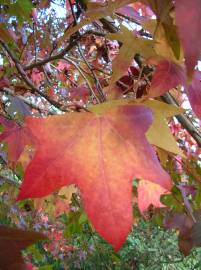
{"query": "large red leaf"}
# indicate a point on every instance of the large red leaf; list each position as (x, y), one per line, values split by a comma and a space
(167, 76)
(194, 93)
(188, 14)
(12, 241)
(16, 137)
(100, 154)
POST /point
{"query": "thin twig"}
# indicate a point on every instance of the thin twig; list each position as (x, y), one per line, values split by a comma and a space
(57, 56)
(84, 77)
(10, 92)
(34, 38)
(27, 80)
(73, 13)
(183, 120)
(98, 85)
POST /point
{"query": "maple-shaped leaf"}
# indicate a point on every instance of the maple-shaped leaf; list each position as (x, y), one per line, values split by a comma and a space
(166, 76)
(131, 45)
(189, 230)
(149, 193)
(188, 14)
(166, 31)
(100, 153)
(12, 241)
(194, 93)
(184, 224)
(16, 137)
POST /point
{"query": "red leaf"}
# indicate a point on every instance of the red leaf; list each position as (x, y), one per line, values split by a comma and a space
(62, 65)
(125, 82)
(12, 241)
(184, 224)
(167, 76)
(80, 92)
(194, 93)
(188, 14)
(37, 76)
(149, 193)
(16, 137)
(4, 82)
(100, 154)
(135, 72)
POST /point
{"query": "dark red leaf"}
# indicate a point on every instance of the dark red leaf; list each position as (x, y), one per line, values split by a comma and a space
(167, 76)
(12, 241)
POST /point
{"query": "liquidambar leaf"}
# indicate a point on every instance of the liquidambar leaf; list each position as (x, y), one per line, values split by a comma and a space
(188, 14)
(194, 93)
(16, 137)
(12, 241)
(166, 76)
(166, 32)
(131, 45)
(100, 154)
(184, 224)
(149, 193)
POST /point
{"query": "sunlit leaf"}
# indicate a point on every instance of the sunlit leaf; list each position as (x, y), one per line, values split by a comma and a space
(100, 154)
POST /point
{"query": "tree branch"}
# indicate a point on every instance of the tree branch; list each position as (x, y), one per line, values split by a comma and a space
(27, 80)
(98, 85)
(84, 77)
(10, 92)
(57, 56)
(183, 120)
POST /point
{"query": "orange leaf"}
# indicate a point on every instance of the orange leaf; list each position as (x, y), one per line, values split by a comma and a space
(149, 193)
(100, 154)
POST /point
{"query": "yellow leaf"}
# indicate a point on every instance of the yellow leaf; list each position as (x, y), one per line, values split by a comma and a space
(131, 45)
(163, 156)
(67, 192)
(159, 133)
(96, 11)
(161, 45)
